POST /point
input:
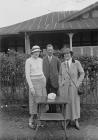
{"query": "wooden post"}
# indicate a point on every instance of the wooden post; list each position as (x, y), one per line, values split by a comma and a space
(70, 37)
(27, 43)
(91, 50)
(0, 44)
(81, 50)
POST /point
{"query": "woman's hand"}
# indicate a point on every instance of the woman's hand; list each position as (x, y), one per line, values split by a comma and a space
(77, 85)
(32, 90)
(61, 84)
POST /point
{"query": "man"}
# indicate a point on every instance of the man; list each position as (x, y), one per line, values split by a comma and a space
(51, 66)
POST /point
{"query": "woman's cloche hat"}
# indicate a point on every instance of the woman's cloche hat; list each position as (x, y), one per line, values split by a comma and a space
(35, 48)
(67, 50)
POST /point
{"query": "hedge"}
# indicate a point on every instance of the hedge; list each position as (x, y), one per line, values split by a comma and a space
(14, 88)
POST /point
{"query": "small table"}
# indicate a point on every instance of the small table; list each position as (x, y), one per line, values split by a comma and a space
(53, 116)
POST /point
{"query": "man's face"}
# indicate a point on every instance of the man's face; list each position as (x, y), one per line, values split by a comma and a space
(50, 50)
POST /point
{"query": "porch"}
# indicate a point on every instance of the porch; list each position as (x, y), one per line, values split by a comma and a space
(81, 42)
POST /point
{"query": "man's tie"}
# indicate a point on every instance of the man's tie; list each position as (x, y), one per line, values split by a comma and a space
(49, 59)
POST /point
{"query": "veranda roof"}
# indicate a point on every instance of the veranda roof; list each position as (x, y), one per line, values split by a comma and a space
(68, 26)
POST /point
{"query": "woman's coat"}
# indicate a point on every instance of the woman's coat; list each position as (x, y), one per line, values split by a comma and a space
(68, 89)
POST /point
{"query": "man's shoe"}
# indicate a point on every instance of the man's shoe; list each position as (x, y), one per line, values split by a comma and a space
(48, 111)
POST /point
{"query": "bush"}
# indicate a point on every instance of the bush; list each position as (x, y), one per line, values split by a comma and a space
(14, 88)
(90, 65)
(12, 77)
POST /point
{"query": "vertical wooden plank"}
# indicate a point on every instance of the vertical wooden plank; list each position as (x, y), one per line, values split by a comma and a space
(81, 48)
(0, 44)
(70, 37)
(27, 43)
(91, 51)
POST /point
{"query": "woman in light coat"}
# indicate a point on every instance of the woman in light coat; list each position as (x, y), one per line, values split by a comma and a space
(36, 81)
(71, 76)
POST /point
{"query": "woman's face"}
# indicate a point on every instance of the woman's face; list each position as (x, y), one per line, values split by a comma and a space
(67, 56)
(35, 54)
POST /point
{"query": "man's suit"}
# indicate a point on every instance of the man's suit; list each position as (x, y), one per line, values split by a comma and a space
(51, 72)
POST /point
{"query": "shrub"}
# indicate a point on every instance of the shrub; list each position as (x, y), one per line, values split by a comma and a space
(14, 88)
(12, 77)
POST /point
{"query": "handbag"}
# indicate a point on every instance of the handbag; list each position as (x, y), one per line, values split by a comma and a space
(81, 90)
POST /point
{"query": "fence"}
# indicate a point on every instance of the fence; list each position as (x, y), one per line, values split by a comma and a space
(91, 89)
(17, 92)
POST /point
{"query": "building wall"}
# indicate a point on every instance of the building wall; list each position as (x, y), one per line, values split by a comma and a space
(86, 51)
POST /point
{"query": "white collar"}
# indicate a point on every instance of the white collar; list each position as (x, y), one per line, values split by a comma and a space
(49, 56)
(69, 61)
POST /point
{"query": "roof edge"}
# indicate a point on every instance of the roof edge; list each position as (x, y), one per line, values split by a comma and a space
(78, 13)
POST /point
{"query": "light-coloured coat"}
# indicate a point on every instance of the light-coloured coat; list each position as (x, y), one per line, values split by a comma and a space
(68, 89)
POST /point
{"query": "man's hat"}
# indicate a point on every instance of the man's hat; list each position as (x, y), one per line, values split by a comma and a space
(35, 49)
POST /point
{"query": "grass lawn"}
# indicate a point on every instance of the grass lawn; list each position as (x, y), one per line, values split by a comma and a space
(14, 125)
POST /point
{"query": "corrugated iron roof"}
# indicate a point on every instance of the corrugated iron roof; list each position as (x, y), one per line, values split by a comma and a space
(36, 24)
(52, 22)
(91, 23)
(85, 10)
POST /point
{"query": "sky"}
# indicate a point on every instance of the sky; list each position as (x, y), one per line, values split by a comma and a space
(15, 11)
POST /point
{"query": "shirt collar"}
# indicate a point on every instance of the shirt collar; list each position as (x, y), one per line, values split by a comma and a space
(49, 56)
(69, 61)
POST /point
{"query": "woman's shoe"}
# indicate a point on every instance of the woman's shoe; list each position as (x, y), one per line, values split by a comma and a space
(32, 123)
(32, 126)
(77, 125)
(68, 124)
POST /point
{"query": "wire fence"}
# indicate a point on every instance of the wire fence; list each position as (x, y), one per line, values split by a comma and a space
(15, 91)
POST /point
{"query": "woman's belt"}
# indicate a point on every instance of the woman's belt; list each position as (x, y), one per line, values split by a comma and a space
(37, 76)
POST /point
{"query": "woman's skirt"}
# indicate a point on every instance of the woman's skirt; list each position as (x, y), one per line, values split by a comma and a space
(40, 90)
